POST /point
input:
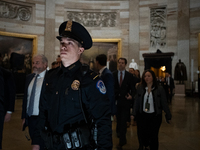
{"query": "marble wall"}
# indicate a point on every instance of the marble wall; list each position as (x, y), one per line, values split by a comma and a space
(128, 20)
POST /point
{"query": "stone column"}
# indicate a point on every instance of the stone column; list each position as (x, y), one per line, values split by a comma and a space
(183, 51)
(134, 31)
(49, 36)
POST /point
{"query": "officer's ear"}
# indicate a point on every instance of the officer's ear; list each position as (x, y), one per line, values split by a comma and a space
(81, 50)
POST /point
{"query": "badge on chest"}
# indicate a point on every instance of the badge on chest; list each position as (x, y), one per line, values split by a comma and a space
(75, 85)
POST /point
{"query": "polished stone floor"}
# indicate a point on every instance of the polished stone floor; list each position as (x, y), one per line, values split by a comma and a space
(182, 134)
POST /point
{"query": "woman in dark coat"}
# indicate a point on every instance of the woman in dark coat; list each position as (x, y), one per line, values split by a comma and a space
(150, 100)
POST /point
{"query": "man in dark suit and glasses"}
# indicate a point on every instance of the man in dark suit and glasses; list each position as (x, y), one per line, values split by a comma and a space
(124, 92)
(33, 88)
(108, 80)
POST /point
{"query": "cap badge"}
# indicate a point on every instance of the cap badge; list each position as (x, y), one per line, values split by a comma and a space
(68, 26)
(75, 85)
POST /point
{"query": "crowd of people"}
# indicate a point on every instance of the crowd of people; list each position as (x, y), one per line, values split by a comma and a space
(72, 107)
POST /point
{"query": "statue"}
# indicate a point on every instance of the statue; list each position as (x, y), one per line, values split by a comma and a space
(180, 72)
(133, 65)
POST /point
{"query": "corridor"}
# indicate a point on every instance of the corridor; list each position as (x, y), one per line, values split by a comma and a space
(182, 134)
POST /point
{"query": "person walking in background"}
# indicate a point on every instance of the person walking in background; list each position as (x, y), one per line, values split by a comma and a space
(150, 101)
(108, 79)
(124, 92)
(170, 82)
(9, 97)
(33, 88)
(54, 65)
(137, 74)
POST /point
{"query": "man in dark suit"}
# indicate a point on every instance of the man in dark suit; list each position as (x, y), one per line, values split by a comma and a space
(170, 82)
(33, 88)
(124, 92)
(9, 93)
(108, 80)
(9, 97)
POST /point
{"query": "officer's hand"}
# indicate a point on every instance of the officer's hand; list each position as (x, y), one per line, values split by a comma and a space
(7, 117)
(35, 147)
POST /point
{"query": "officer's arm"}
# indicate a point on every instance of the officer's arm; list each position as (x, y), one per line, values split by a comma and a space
(99, 106)
(109, 83)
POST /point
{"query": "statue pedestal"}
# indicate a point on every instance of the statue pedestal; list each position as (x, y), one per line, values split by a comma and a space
(179, 90)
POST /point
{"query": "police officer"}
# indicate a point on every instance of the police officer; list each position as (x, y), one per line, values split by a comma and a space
(74, 96)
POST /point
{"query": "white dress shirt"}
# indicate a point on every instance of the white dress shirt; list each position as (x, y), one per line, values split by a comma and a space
(168, 81)
(39, 83)
(151, 108)
(101, 70)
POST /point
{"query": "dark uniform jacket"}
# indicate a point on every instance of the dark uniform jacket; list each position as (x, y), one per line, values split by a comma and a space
(108, 80)
(60, 103)
(159, 98)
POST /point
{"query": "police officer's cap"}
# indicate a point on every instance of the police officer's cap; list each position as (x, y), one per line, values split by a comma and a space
(76, 31)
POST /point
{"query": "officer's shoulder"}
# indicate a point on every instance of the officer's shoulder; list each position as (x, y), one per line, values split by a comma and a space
(91, 76)
(53, 71)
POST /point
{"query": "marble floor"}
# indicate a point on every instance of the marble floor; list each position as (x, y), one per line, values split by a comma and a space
(182, 134)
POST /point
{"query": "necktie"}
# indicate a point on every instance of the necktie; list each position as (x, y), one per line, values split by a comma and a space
(120, 80)
(32, 97)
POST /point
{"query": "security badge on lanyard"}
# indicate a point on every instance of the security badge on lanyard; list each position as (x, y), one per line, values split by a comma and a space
(147, 104)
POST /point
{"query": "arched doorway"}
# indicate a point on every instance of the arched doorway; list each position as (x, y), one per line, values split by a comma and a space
(159, 62)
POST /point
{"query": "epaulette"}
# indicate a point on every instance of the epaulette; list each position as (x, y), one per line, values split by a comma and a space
(85, 70)
(89, 77)
(95, 77)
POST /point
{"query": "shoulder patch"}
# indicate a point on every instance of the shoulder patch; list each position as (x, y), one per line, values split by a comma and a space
(100, 85)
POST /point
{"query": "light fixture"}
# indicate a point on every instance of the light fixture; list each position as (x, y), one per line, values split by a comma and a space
(163, 68)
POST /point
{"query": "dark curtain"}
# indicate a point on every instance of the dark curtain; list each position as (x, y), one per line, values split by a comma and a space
(158, 62)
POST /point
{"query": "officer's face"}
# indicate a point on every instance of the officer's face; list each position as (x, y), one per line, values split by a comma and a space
(121, 64)
(70, 51)
(37, 65)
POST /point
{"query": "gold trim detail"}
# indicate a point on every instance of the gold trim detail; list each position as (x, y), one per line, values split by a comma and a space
(26, 36)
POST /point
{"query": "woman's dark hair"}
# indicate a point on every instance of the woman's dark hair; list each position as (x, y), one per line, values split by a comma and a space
(138, 73)
(154, 78)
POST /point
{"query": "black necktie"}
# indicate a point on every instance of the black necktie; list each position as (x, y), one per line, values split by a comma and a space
(32, 97)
